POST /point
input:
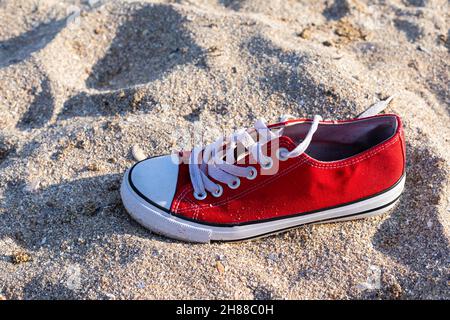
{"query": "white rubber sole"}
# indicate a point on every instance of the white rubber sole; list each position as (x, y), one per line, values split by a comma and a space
(162, 222)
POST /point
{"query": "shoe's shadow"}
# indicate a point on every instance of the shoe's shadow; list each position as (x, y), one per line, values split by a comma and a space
(418, 241)
(80, 220)
(65, 213)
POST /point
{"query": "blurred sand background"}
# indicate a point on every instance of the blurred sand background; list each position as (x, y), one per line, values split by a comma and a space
(81, 82)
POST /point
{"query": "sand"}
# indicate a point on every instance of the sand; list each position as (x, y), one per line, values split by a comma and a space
(81, 83)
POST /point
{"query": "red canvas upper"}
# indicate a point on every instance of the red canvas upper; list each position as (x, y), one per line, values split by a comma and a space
(302, 184)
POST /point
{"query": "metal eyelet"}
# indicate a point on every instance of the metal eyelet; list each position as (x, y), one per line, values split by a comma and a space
(253, 173)
(201, 196)
(280, 154)
(268, 165)
(235, 184)
(218, 192)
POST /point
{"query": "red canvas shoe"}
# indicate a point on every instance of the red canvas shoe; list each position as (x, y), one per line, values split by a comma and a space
(272, 178)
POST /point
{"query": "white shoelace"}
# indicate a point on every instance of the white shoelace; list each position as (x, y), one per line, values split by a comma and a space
(212, 164)
(208, 161)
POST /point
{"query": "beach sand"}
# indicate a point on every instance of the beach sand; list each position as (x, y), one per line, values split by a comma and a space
(82, 82)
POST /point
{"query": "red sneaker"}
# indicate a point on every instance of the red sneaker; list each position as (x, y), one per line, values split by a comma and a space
(271, 178)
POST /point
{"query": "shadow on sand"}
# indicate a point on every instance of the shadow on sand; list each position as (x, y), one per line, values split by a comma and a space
(151, 42)
(40, 110)
(289, 78)
(19, 48)
(82, 214)
(418, 242)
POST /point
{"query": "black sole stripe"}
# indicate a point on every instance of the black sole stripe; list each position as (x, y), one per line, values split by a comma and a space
(248, 222)
(309, 223)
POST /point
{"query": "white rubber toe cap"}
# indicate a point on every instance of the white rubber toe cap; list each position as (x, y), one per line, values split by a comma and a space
(156, 179)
